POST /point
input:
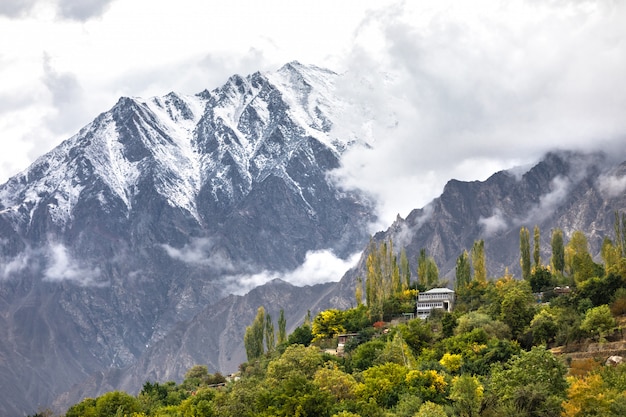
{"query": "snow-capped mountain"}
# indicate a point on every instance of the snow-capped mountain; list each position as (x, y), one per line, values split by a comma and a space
(146, 215)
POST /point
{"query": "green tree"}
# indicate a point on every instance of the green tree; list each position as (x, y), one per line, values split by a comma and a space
(364, 356)
(340, 385)
(282, 327)
(463, 271)
(544, 325)
(478, 320)
(466, 393)
(302, 335)
(396, 350)
(517, 309)
(531, 384)
(85, 408)
(296, 359)
(558, 251)
(598, 321)
(430, 409)
(253, 338)
(383, 277)
(541, 279)
(327, 324)
(620, 233)
(116, 403)
(479, 261)
(524, 246)
(405, 270)
(427, 270)
(270, 341)
(384, 383)
(358, 291)
(578, 261)
(200, 404)
(537, 247)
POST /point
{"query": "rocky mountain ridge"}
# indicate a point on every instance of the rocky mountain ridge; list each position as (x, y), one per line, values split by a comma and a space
(154, 211)
(569, 190)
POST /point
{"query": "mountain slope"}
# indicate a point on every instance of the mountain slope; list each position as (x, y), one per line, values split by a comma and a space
(152, 211)
(567, 190)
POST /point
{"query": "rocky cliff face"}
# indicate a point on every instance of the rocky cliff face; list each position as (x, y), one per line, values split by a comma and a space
(140, 221)
(565, 190)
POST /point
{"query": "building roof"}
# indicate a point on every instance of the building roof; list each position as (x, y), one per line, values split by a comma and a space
(439, 290)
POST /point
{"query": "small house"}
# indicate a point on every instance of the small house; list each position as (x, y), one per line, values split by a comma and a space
(441, 298)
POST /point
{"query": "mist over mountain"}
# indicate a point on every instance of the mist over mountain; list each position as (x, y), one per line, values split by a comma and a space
(135, 249)
(567, 190)
(157, 209)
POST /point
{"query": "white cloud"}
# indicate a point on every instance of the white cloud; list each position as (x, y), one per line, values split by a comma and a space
(493, 224)
(200, 251)
(15, 265)
(80, 10)
(549, 202)
(612, 185)
(462, 90)
(441, 89)
(60, 266)
(318, 267)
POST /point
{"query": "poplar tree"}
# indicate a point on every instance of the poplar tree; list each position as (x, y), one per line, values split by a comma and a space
(282, 327)
(620, 233)
(405, 270)
(536, 247)
(396, 282)
(479, 261)
(253, 338)
(524, 247)
(383, 277)
(558, 251)
(358, 291)
(463, 271)
(578, 261)
(422, 267)
(270, 341)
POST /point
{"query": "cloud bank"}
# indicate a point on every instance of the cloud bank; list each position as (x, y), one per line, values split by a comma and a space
(79, 10)
(463, 90)
(200, 252)
(318, 267)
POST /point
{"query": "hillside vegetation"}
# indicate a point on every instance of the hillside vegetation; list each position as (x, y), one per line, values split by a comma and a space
(494, 355)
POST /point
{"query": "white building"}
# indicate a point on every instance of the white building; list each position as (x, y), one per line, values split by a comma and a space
(442, 298)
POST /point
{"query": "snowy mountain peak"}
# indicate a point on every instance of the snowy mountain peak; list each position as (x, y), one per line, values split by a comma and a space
(222, 141)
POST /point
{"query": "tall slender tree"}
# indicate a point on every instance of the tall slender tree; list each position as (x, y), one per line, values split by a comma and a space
(620, 233)
(282, 327)
(578, 261)
(524, 248)
(536, 247)
(463, 271)
(479, 261)
(270, 340)
(558, 251)
(427, 270)
(405, 270)
(358, 291)
(253, 338)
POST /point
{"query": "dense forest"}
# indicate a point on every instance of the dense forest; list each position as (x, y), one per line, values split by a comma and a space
(503, 350)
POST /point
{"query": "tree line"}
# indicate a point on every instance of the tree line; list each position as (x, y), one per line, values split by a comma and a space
(491, 356)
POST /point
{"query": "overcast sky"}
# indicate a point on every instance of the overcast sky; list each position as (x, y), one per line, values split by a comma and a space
(453, 89)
